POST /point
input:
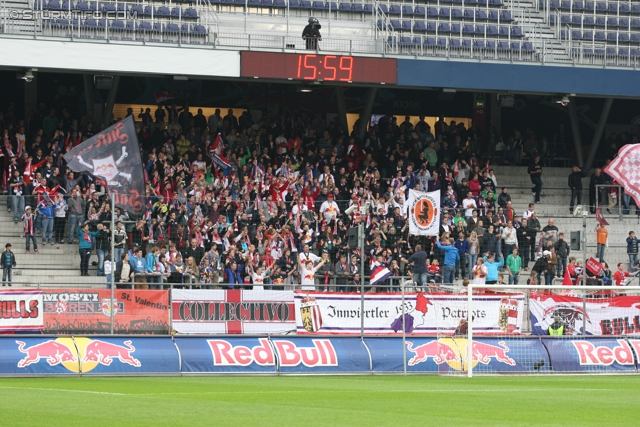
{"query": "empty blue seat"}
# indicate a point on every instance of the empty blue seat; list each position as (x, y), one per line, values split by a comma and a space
(158, 27)
(136, 9)
(576, 20)
(357, 8)
(432, 12)
(635, 38)
(578, 5)
(504, 31)
(345, 7)
(383, 8)
(405, 41)
(623, 51)
(527, 47)
(493, 15)
(466, 43)
(144, 26)
(417, 41)
(612, 36)
(430, 41)
(455, 28)
(495, 2)
(469, 14)
(419, 11)
(589, 21)
(470, 2)
(190, 13)
(505, 16)
(395, 24)
(612, 22)
(381, 24)
(611, 51)
(277, 4)
(407, 10)
(576, 35)
(331, 6)
(490, 45)
(454, 43)
(479, 44)
(432, 26)
(635, 23)
(468, 29)
(444, 27)
(479, 30)
(623, 23)
(199, 30)
(600, 36)
(163, 12)
(117, 25)
(445, 12)
(406, 25)
(492, 30)
(601, 21)
(613, 7)
(456, 13)
(624, 37)
(419, 26)
(317, 5)
(634, 52)
(503, 45)
(176, 12)
(305, 4)
(368, 8)
(554, 4)
(90, 23)
(172, 28)
(109, 8)
(565, 19)
(601, 7)
(148, 11)
(481, 2)
(456, 1)
(515, 46)
(565, 5)
(516, 32)
(625, 8)
(395, 9)
(82, 5)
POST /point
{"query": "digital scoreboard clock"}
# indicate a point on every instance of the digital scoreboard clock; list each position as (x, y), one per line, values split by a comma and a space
(314, 67)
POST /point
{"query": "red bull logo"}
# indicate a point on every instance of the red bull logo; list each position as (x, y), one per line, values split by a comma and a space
(289, 354)
(453, 352)
(592, 355)
(103, 352)
(53, 352)
(78, 354)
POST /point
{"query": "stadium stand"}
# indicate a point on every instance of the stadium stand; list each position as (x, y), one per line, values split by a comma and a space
(573, 32)
(299, 162)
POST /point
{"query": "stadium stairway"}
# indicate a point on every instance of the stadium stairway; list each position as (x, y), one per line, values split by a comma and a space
(54, 265)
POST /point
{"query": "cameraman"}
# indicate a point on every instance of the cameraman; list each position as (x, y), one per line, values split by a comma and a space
(311, 34)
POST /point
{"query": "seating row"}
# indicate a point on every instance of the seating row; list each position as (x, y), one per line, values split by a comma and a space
(132, 26)
(597, 21)
(140, 10)
(622, 7)
(460, 43)
(601, 36)
(452, 27)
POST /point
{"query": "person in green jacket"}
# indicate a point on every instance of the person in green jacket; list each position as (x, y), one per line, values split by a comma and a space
(514, 265)
(556, 329)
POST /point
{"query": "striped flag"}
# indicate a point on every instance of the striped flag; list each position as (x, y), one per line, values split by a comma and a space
(217, 153)
(379, 273)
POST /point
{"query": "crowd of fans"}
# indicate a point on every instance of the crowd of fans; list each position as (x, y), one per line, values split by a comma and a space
(275, 217)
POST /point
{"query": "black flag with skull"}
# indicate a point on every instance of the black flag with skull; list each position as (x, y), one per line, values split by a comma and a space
(113, 156)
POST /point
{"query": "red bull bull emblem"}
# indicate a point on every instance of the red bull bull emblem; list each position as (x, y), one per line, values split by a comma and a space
(453, 352)
(53, 352)
(78, 354)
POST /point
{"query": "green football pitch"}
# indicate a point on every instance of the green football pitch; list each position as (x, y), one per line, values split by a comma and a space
(321, 400)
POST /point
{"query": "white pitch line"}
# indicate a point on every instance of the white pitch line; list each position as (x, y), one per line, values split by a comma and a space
(68, 391)
(385, 391)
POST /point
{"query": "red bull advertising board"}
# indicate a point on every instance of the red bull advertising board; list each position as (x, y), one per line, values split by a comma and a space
(87, 355)
(593, 354)
(449, 354)
(88, 311)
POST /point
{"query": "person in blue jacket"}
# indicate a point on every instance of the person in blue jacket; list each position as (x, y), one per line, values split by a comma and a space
(462, 244)
(451, 258)
(492, 268)
(138, 263)
(85, 240)
(233, 276)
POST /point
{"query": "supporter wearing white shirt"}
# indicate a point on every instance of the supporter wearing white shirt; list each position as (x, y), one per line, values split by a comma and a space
(307, 255)
(307, 271)
(469, 204)
(527, 214)
(329, 209)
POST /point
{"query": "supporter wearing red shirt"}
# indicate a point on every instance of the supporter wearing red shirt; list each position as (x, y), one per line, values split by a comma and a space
(571, 277)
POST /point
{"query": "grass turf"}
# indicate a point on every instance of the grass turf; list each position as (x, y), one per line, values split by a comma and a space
(319, 401)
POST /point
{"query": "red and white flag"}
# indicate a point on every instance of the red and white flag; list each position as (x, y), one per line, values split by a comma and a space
(625, 169)
(217, 153)
(600, 217)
